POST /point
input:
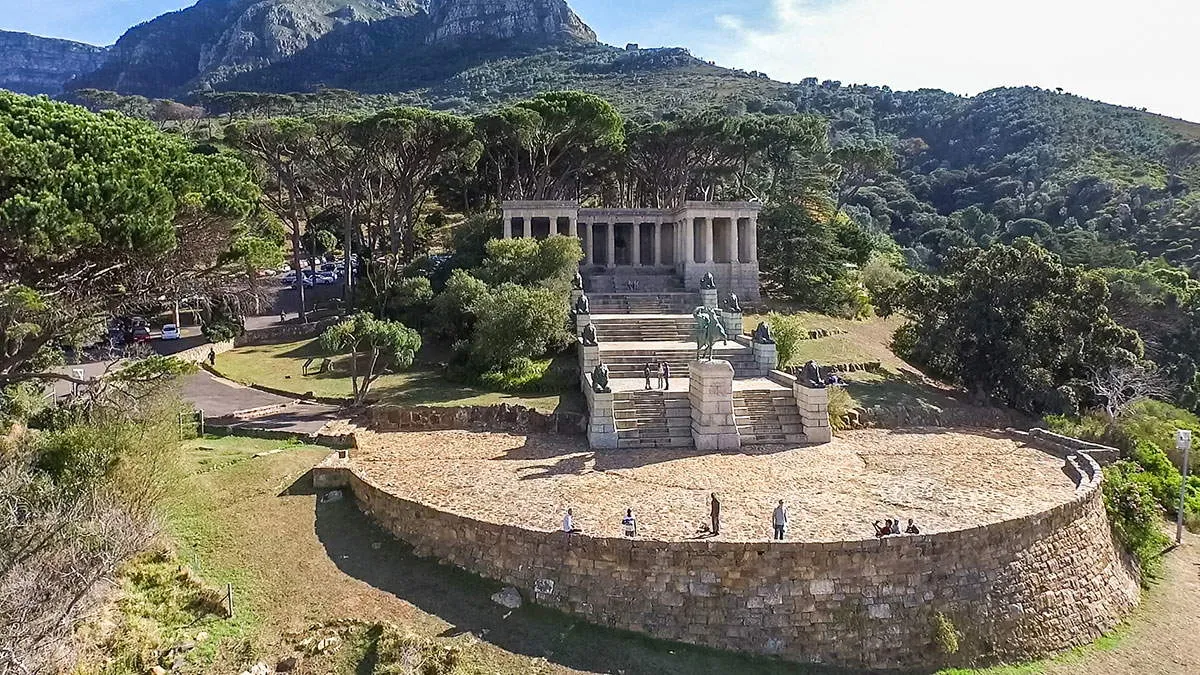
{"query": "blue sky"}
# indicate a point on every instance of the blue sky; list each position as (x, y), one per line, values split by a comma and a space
(1139, 53)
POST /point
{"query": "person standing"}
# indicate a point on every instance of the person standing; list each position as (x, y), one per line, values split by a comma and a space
(629, 524)
(716, 515)
(646, 372)
(212, 357)
(569, 522)
(664, 370)
(779, 519)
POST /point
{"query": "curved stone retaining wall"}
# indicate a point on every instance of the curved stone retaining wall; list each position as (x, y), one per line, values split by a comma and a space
(1015, 589)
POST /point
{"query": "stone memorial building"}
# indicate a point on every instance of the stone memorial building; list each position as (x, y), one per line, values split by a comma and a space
(695, 239)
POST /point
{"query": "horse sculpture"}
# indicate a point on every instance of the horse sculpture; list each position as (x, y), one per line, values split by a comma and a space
(707, 332)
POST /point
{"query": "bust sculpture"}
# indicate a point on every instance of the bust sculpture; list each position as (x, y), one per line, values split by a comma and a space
(708, 282)
(589, 336)
(600, 379)
(762, 334)
(812, 376)
(577, 282)
(583, 305)
(734, 304)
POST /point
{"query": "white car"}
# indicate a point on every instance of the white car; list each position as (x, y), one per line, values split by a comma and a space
(326, 279)
(170, 332)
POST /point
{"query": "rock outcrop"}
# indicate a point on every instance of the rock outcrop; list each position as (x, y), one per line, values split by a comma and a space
(36, 65)
(290, 44)
(540, 21)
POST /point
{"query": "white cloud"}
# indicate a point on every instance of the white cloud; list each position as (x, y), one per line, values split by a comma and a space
(1139, 54)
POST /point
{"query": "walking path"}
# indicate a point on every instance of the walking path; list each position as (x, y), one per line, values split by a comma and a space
(221, 398)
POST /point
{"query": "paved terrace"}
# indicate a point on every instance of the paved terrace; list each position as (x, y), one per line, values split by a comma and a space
(945, 480)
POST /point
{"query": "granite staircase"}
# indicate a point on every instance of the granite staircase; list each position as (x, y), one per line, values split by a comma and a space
(631, 363)
(767, 416)
(653, 419)
(647, 328)
(644, 303)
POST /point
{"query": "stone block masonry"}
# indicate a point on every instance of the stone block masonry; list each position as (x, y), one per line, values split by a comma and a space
(710, 391)
(766, 357)
(602, 417)
(814, 413)
(1017, 589)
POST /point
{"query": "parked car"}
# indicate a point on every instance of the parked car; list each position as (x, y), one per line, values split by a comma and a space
(326, 279)
(288, 279)
(141, 333)
(170, 332)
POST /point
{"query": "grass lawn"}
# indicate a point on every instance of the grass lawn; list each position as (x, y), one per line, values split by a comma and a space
(281, 366)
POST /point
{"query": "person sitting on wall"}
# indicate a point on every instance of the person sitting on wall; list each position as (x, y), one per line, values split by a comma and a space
(895, 526)
(912, 528)
(569, 523)
(882, 529)
(629, 524)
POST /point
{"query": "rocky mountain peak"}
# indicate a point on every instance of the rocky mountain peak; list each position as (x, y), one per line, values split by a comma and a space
(540, 21)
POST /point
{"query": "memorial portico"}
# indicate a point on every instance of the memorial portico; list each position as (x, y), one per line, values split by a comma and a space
(698, 238)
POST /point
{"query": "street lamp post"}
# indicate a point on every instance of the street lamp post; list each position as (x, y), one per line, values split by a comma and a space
(1183, 441)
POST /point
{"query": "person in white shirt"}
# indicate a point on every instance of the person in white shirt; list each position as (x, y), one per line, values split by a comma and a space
(779, 519)
(569, 523)
(629, 524)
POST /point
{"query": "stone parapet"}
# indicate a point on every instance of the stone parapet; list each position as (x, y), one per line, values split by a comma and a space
(1017, 589)
(814, 412)
(589, 358)
(710, 392)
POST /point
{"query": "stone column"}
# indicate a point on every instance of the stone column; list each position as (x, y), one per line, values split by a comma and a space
(814, 413)
(658, 258)
(689, 241)
(508, 228)
(707, 240)
(635, 232)
(590, 258)
(710, 392)
(752, 232)
(612, 245)
(733, 241)
(573, 227)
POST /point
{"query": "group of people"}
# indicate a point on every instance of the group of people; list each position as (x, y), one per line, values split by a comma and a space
(891, 527)
(663, 370)
(779, 521)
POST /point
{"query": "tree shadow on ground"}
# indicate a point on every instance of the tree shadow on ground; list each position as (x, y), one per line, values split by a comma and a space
(366, 552)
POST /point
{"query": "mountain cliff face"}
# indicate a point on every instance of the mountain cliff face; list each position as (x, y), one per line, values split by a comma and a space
(218, 42)
(36, 65)
(542, 21)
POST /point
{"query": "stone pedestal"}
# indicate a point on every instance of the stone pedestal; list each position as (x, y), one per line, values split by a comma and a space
(602, 418)
(711, 395)
(814, 413)
(732, 322)
(708, 297)
(581, 322)
(766, 357)
(589, 358)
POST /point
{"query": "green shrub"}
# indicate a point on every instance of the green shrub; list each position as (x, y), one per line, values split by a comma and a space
(515, 322)
(454, 308)
(524, 376)
(788, 332)
(411, 654)
(945, 636)
(841, 404)
(1136, 515)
